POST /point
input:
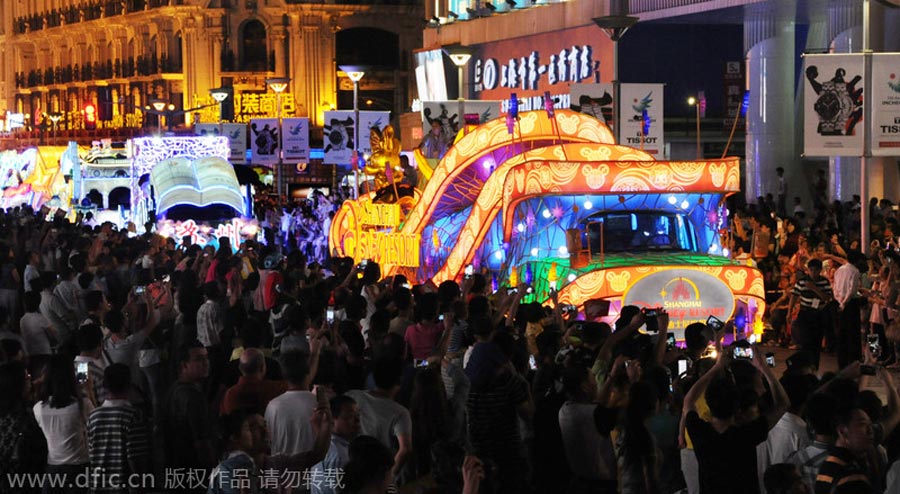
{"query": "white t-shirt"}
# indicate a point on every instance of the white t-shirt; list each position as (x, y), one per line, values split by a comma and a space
(66, 432)
(287, 418)
(382, 418)
(34, 327)
(590, 455)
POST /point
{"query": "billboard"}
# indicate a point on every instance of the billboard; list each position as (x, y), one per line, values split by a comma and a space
(833, 105)
(339, 139)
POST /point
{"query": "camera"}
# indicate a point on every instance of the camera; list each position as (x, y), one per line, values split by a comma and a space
(650, 320)
(770, 359)
(470, 270)
(874, 344)
(140, 289)
(670, 342)
(329, 315)
(742, 352)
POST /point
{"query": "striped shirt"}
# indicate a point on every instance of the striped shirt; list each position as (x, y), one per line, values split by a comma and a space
(808, 298)
(840, 473)
(117, 433)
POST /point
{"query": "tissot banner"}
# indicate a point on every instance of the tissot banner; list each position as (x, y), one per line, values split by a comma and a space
(339, 139)
(833, 105)
(295, 139)
(264, 135)
(236, 134)
(886, 104)
(641, 113)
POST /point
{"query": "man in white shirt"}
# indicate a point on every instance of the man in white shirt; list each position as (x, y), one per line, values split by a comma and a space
(36, 331)
(790, 433)
(52, 308)
(325, 474)
(287, 416)
(846, 293)
(32, 270)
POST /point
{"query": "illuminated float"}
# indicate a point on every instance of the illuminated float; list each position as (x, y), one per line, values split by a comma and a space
(38, 176)
(190, 190)
(550, 200)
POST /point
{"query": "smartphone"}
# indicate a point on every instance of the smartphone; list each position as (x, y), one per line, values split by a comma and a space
(329, 315)
(140, 289)
(682, 367)
(166, 278)
(440, 317)
(741, 352)
(470, 270)
(510, 291)
(532, 363)
(420, 363)
(407, 286)
(770, 359)
(714, 323)
(81, 372)
(670, 341)
(650, 321)
(874, 343)
(867, 370)
(321, 399)
(529, 290)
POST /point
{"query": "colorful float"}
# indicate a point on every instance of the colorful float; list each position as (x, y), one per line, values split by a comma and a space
(37, 176)
(549, 199)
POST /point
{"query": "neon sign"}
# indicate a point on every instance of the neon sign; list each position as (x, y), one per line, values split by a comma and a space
(236, 231)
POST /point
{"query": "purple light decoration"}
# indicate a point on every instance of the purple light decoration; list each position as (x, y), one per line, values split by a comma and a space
(745, 104)
(646, 119)
(529, 274)
(548, 104)
(513, 114)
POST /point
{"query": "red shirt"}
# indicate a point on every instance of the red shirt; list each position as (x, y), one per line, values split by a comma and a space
(252, 393)
(422, 338)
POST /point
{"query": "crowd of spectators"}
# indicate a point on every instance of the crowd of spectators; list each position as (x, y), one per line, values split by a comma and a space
(261, 369)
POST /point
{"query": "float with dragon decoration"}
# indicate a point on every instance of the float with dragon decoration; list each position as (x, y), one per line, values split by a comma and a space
(549, 199)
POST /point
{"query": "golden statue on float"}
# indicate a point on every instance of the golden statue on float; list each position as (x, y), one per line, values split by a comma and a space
(386, 166)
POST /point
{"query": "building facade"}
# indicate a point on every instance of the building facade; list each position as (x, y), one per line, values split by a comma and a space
(62, 58)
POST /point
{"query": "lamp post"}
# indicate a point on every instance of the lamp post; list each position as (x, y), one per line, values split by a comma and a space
(278, 85)
(355, 73)
(696, 104)
(220, 94)
(460, 56)
(160, 107)
(615, 27)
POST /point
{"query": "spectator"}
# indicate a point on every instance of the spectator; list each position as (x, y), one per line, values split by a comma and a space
(252, 391)
(118, 437)
(346, 428)
(288, 416)
(820, 408)
(382, 417)
(23, 448)
(783, 478)
(37, 334)
(62, 416)
(186, 420)
(89, 339)
(422, 337)
(812, 294)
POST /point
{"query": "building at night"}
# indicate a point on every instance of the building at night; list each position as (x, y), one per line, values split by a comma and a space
(102, 63)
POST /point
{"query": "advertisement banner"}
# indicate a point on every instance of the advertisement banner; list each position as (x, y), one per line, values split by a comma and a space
(236, 134)
(339, 139)
(264, 147)
(447, 112)
(595, 100)
(641, 112)
(833, 105)
(886, 104)
(295, 139)
(530, 65)
(688, 296)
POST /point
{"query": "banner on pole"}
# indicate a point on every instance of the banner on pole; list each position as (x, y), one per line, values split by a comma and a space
(236, 134)
(641, 113)
(447, 113)
(886, 104)
(833, 105)
(295, 139)
(264, 148)
(339, 139)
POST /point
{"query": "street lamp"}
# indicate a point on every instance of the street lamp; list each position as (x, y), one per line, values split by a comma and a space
(220, 94)
(355, 73)
(615, 27)
(160, 107)
(278, 85)
(692, 101)
(460, 56)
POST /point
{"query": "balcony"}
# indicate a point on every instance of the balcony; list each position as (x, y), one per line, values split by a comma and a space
(87, 12)
(111, 69)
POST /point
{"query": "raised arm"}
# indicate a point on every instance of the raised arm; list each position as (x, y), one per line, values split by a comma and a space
(780, 397)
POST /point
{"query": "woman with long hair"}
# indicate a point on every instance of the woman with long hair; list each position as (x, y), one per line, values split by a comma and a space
(62, 415)
(429, 412)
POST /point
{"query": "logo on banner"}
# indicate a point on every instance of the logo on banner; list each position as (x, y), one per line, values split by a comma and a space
(894, 85)
(688, 296)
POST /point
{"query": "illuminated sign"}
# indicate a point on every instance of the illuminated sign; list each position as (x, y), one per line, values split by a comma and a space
(237, 231)
(688, 296)
(399, 249)
(380, 214)
(576, 55)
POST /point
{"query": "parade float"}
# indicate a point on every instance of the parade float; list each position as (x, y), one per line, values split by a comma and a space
(38, 176)
(549, 199)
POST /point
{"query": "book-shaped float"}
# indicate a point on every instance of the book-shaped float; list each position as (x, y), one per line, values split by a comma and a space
(201, 182)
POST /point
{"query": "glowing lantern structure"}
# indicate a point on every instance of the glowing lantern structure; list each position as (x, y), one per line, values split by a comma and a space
(644, 217)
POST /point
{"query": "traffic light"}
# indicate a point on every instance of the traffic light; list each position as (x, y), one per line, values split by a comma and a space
(90, 117)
